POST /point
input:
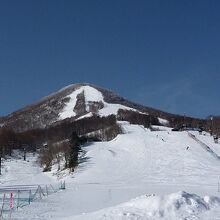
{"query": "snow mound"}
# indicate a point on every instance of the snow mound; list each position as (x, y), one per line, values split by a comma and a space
(180, 205)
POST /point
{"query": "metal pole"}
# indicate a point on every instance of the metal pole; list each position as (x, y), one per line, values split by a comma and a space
(0, 164)
(184, 121)
(29, 197)
(3, 200)
(40, 191)
(24, 153)
(1, 153)
(211, 126)
(18, 199)
(47, 190)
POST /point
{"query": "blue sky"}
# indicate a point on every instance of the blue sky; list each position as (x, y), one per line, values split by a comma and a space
(163, 54)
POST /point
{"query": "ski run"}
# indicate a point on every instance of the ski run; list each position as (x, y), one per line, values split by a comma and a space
(139, 175)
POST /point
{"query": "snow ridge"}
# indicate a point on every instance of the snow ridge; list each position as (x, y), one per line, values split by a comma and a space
(179, 205)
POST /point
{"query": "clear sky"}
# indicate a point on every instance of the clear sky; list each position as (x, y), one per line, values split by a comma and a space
(163, 54)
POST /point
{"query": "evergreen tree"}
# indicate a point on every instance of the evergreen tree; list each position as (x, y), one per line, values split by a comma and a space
(75, 143)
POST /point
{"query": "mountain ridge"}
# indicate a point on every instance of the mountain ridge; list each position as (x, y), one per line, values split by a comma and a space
(46, 111)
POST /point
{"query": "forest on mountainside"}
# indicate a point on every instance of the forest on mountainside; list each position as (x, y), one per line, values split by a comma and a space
(61, 140)
(64, 139)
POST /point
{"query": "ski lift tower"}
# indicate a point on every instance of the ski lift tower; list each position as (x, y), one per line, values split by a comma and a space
(211, 126)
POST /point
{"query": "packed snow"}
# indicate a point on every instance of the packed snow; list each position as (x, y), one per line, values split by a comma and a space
(16, 171)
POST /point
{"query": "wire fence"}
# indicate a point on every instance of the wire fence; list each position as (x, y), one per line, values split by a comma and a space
(18, 196)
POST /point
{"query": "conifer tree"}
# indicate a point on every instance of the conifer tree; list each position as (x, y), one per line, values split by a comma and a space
(75, 143)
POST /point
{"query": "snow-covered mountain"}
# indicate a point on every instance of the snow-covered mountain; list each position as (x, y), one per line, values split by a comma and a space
(157, 166)
(74, 102)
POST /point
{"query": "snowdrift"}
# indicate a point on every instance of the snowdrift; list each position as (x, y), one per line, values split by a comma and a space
(180, 205)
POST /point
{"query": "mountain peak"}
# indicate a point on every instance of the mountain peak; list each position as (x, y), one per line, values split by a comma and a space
(87, 99)
(73, 101)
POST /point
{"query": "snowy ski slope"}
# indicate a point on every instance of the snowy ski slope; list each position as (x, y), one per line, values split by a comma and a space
(137, 163)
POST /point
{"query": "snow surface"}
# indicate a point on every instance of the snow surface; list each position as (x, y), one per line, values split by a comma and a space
(133, 165)
(163, 121)
(180, 205)
(91, 95)
(207, 139)
(16, 171)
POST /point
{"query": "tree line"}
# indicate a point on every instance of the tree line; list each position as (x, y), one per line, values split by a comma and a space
(137, 118)
(63, 140)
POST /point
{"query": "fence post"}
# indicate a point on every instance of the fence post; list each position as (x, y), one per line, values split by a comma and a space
(10, 213)
(40, 191)
(29, 197)
(64, 184)
(47, 190)
(18, 198)
(3, 200)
